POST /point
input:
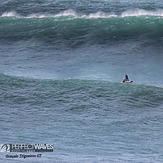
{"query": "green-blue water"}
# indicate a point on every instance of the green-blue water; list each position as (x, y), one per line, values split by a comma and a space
(61, 64)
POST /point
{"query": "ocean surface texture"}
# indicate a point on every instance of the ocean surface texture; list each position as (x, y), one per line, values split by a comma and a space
(61, 67)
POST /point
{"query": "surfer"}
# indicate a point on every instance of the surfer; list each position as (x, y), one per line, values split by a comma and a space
(126, 79)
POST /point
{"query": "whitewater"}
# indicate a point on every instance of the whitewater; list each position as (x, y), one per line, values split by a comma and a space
(61, 67)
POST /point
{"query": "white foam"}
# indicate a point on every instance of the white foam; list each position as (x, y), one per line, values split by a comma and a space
(38, 16)
(141, 12)
(10, 14)
(99, 14)
(69, 12)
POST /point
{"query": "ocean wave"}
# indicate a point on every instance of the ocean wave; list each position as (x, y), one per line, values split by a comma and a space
(70, 29)
(130, 95)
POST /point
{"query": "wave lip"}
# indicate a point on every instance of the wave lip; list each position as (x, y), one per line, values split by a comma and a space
(99, 14)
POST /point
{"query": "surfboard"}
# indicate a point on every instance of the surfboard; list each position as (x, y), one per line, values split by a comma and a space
(127, 81)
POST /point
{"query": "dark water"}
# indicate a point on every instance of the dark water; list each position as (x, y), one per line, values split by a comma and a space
(61, 64)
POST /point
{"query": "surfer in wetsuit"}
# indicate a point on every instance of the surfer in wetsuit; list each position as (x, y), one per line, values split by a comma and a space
(126, 79)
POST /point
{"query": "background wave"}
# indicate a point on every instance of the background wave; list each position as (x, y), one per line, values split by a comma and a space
(69, 28)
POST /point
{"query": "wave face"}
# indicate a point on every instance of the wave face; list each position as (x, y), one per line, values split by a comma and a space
(69, 28)
(82, 39)
(88, 92)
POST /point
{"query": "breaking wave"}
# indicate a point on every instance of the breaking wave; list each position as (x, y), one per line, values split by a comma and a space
(99, 14)
(69, 27)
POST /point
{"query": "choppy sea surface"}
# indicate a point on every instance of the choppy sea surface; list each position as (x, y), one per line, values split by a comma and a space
(61, 67)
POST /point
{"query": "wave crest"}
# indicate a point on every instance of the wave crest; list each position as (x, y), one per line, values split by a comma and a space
(141, 12)
(10, 14)
(99, 14)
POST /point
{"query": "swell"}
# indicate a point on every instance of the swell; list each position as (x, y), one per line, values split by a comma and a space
(68, 28)
(112, 93)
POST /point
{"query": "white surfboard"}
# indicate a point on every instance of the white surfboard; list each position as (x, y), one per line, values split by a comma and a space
(127, 82)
